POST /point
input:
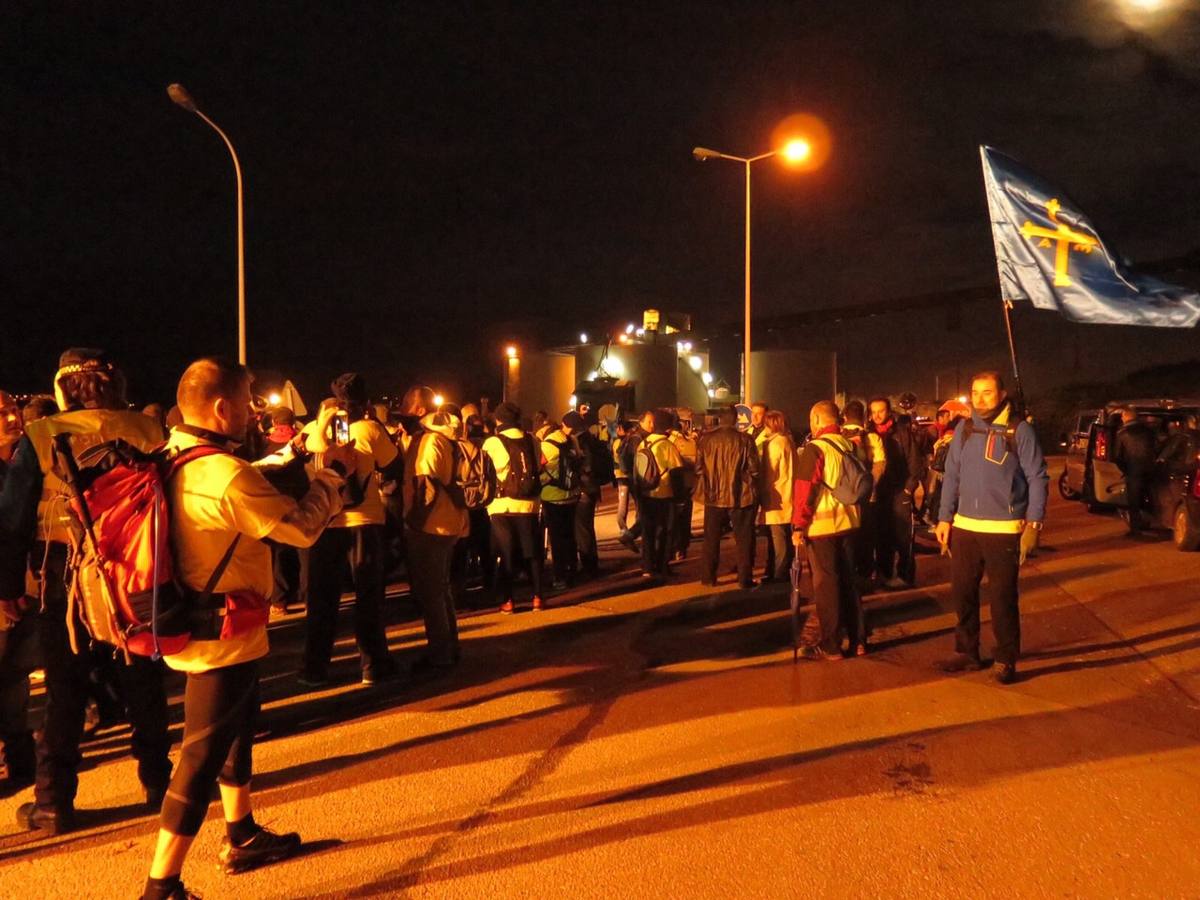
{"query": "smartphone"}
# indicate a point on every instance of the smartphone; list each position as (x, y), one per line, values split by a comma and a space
(341, 428)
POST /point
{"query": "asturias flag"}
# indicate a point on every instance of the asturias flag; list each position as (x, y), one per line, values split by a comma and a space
(1049, 254)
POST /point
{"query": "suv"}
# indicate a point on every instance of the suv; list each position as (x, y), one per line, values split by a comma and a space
(1175, 503)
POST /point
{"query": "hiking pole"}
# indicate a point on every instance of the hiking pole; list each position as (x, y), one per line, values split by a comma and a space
(794, 599)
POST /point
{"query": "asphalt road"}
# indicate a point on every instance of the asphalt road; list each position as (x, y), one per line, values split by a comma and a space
(661, 743)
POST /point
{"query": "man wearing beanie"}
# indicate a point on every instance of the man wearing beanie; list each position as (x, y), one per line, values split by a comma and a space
(355, 535)
(90, 391)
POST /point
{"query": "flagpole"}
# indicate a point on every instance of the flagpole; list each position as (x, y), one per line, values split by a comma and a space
(1012, 352)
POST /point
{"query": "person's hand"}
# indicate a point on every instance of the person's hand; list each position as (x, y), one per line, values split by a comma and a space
(344, 454)
(798, 539)
(12, 610)
(942, 531)
(1029, 541)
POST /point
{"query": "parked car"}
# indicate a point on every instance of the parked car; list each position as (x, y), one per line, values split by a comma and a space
(1092, 475)
(1070, 482)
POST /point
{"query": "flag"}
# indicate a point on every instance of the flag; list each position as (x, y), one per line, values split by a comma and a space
(1049, 254)
(292, 399)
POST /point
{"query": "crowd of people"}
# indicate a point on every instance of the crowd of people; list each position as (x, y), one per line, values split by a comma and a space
(469, 506)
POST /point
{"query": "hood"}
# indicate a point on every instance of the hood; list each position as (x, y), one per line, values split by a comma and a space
(442, 423)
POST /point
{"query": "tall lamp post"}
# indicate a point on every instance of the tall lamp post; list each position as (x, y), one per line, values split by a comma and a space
(179, 95)
(795, 151)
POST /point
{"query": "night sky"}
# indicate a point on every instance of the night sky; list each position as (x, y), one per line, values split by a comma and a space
(425, 182)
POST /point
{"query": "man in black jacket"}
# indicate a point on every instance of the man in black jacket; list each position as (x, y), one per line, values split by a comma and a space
(1134, 455)
(891, 513)
(727, 485)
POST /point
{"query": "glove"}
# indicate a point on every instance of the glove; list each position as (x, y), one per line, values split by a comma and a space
(1029, 542)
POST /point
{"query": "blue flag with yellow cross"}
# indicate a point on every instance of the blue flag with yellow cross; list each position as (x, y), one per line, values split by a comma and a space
(1049, 254)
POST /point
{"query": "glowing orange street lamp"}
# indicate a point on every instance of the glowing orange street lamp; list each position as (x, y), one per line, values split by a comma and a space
(801, 152)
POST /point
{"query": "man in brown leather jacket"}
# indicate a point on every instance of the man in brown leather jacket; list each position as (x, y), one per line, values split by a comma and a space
(727, 484)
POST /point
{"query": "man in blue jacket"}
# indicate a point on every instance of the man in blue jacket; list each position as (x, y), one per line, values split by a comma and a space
(994, 494)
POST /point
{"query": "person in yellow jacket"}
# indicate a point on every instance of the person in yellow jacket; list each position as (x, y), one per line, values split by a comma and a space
(561, 486)
(823, 526)
(222, 509)
(775, 504)
(514, 512)
(90, 390)
(435, 519)
(659, 474)
(683, 436)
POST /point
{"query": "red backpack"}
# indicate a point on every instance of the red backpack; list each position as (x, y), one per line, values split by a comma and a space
(122, 575)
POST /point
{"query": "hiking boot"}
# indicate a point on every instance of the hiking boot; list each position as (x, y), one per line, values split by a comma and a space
(960, 662)
(507, 607)
(49, 819)
(1004, 673)
(896, 583)
(312, 680)
(538, 606)
(264, 848)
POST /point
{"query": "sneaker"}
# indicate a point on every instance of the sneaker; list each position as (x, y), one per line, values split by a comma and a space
(629, 543)
(896, 584)
(507, 607)
(748, 585)
(380, 674)
(812, 653)
(558, 585)
(1004, 673)
(49, 819)
(538, 606)
(312, 680)
(960, 662)
(265, 847)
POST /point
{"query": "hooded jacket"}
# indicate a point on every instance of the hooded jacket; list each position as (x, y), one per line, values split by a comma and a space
(990, 487)
(429, 473)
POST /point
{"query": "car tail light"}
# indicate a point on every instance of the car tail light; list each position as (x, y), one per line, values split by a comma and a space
(1102, 445)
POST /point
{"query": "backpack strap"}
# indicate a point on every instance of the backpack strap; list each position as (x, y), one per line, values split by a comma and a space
(204, 598)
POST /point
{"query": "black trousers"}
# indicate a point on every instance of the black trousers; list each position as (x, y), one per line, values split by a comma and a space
(289, 565)
(19, 655)
(429, 563)
(1137, 495)
(780, 552)
(517, 540)
(67, 688)
(560, 523)
(742, 522)
(892, 517)
(479, 546)
(585, 533)
(362, 548)
(658, 517)
(835, 596)
(997, 555)
(220, 707)
(682, 530)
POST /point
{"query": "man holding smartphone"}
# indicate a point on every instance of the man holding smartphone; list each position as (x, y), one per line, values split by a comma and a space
(355, 534)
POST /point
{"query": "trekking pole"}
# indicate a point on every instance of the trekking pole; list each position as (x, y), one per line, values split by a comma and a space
(794, 599)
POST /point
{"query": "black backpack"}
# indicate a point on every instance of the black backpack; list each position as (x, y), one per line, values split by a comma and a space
(569, 476)
(1010, 434)
(521, 482)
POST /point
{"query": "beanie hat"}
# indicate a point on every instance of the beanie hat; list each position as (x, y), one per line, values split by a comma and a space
(350, 389)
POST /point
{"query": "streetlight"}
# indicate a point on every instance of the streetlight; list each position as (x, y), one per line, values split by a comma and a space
(180, 97)
(798, 152)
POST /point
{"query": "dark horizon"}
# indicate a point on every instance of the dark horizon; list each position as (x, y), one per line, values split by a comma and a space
(421, 190)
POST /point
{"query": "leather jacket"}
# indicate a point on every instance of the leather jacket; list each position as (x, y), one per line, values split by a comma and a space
(727, 467)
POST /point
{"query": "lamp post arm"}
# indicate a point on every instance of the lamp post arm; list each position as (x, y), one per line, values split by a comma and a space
(761, 156)
(241, 238)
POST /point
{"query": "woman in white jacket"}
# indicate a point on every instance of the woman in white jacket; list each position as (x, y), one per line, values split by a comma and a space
(778, 456)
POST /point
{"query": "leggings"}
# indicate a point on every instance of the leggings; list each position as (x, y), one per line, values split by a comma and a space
(219, 710)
